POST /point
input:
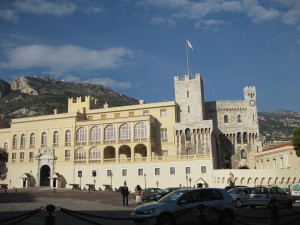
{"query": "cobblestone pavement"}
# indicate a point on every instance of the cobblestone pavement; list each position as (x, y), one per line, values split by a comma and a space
(98, 203)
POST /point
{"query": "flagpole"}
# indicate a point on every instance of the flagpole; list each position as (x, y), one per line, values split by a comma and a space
(187, 57)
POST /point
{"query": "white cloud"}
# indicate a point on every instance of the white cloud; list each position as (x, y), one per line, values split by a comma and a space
(292, 17)
(258, 13)
(163, 21)
(107, 82)
(39, 7)
(9, 15)
(65, 58)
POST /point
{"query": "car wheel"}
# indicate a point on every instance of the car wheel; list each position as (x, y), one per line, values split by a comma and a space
(227, 217)
(238, 203)
(165, 220)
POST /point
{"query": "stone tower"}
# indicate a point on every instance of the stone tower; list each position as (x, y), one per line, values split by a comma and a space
(189, 95)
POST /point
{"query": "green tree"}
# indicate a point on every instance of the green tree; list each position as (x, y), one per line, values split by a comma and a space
(296, 141)
(3, 155)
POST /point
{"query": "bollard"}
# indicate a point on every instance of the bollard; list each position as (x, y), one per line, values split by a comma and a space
(54, 190)
(16, 190)
(275, 220)
(201, 217)
(50, 218)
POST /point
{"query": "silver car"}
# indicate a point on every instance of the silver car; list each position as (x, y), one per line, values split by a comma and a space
(241, 196)
(181, 207)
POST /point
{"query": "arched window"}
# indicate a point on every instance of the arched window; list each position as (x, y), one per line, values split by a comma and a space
(44, 139)
(15, 141)
(243, 154)
(245, 137)
(239, 119)
(80, 154)
(125, 131)
(94, 153)
(226, 155)
(5, 145)
(110, 133)
(95, 134)
(55, 138)
(226, 119)
(140, 130)
(189, 151)
(68, 137)
(238, 137)
(23, 140)
(187, 134)
(81, 135)
(32, 140)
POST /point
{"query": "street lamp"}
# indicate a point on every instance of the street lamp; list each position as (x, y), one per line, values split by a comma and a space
(187, 180)
(190, 182)
(145, 179)
(231, 179)
(157, 184)
(111, 175)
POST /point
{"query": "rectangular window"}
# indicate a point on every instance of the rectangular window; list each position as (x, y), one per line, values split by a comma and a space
(13, 156)
(203, 169)
(281, 162)
(94, 173)
(140, 172)
(21, 156)
(124, 172)
(164, 134)
(163, 113)
(188, 170)
(103, 116)
(67, 155)
(131, 113)
(109, 173)
(188, 94)
(189, 109)
(172, 170)
(157, 171)
(31, 156)
(145, 112)
(117, 115)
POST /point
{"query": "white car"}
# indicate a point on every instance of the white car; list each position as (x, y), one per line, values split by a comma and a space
(180, 207)
(263, 196)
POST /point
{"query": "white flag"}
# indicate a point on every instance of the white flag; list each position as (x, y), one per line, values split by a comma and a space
(189, 44)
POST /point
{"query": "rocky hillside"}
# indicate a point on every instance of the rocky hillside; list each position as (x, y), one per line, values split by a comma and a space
(278, 125)
(34, 96)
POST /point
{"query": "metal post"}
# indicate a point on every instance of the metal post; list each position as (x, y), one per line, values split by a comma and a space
(50, 218)
(145, 180)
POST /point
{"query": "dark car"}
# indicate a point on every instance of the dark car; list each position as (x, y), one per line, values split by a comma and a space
(160, 194)
(148, 191)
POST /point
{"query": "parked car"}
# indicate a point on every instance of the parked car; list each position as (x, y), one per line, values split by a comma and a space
(148, 191)
(295, 191)
(158, 195)
(263, 195)
(178, 207)
(241, 196)
(227, 188)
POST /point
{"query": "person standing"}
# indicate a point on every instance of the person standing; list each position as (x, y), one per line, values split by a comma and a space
(125, 193)
(138, 197)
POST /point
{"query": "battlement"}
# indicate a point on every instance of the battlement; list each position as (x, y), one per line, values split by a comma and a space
(187, 77)
(82, 104)
(249, 92)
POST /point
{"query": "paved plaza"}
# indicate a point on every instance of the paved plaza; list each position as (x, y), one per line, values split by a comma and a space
(100, 203)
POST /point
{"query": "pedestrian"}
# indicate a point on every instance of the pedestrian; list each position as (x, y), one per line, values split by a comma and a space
(125, 193)
(138, 193)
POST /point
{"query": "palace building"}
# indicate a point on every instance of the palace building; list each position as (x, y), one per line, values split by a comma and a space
(180, 142)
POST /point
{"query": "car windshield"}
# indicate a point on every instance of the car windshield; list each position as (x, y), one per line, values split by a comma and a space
(235, 191)
(173, 196)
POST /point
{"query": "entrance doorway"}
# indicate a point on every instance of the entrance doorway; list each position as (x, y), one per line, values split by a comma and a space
(45, 176)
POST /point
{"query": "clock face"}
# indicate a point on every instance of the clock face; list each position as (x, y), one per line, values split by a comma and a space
(252, 102)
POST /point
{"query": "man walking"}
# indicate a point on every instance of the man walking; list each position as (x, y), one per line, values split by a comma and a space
(125, 193)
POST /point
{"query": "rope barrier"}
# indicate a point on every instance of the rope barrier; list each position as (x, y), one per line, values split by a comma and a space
(79, 217)
(25, 217)
(21, 215)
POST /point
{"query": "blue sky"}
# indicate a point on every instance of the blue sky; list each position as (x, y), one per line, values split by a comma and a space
(136, 47)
